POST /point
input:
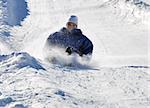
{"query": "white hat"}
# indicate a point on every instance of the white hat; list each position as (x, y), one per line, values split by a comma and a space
(73, 19)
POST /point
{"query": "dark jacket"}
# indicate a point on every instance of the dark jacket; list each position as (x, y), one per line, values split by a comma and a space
(73, 41)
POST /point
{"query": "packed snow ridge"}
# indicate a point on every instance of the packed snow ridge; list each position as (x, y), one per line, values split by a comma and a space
(20, 60)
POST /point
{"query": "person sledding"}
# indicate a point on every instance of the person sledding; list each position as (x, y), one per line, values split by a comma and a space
(71, 39)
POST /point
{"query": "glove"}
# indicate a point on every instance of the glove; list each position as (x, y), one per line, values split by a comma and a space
(69, 50)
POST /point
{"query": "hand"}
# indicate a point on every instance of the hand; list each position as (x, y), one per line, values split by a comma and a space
(69, 50)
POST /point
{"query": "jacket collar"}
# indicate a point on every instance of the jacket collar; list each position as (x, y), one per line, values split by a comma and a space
(64, 30)
(74, 31)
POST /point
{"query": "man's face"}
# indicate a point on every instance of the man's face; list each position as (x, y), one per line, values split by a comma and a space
(71, 26)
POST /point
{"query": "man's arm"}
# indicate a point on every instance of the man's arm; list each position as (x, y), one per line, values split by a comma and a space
(86, 47)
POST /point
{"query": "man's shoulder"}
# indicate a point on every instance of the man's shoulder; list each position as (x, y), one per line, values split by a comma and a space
(86, 39)
(53, 34)
(57, 32)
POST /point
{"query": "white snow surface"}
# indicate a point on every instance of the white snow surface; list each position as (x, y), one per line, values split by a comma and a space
(118, 75)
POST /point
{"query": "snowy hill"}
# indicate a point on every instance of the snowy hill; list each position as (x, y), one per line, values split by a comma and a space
(29, 85)
(117, 76)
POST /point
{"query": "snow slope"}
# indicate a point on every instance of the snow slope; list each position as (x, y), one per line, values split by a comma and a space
(65, 87)
(99, 20)
(118, 75)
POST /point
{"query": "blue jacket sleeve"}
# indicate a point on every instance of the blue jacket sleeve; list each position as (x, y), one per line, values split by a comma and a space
(86, 46)
(83, 45)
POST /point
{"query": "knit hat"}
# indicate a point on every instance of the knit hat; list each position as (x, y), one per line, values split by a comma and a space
(73, 19)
